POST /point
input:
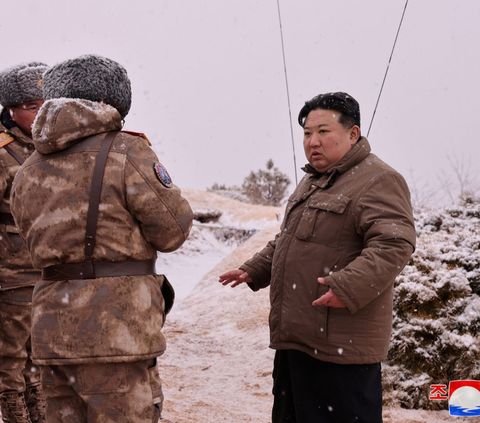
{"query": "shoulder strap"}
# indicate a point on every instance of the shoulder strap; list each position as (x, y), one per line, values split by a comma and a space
(13, 154)
(6, 139)
(92, 214)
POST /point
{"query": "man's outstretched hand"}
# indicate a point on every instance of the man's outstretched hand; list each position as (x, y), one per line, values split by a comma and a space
(235, 277)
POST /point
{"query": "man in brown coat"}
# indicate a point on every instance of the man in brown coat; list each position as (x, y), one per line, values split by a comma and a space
(348, 231)
(94, 206)
(21, 399)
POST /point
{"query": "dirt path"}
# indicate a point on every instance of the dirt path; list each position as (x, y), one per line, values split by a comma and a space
(218, 365)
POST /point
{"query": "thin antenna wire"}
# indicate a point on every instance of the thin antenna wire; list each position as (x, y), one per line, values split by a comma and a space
(288, 92)
(388, 67)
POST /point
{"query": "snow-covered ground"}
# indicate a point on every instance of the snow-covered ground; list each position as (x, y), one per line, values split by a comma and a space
(217, 367)
(210, 242)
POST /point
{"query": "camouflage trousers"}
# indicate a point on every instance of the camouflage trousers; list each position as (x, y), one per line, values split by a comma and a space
(103, 392)
(16, 368)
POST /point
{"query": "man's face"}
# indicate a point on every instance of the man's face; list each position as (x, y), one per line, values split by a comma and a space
(24, 115)
(325, 139)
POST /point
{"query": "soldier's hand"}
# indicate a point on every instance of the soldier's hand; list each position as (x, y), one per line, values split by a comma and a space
(329, 299)
(235, 277)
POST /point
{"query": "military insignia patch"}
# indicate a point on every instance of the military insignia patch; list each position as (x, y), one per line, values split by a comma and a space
(5, 139)
(163, 175)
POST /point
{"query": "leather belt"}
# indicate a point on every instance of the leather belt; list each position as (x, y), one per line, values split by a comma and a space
(102, 269)
(7, 219)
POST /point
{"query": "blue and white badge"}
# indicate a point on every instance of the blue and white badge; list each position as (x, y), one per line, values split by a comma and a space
(464, 398)
(163, 175)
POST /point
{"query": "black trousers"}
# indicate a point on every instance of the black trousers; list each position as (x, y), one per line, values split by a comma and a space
(307, 390)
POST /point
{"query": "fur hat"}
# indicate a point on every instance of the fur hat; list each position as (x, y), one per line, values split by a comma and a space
(90, 77)
(21, 83)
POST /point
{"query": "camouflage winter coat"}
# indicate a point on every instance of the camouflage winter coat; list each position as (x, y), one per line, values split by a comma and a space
(110, 319)
(16, 268)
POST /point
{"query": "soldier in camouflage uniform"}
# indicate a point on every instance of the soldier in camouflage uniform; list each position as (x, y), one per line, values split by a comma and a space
(97, 320)
(21, 399)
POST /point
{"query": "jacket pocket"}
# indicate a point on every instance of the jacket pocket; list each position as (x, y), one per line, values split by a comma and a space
(103, 378)
(156, 385)
(167, 291)
(323, 219)
(10, 239)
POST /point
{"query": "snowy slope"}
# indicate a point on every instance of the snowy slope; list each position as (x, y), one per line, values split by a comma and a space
(207, 245)
(218, 366)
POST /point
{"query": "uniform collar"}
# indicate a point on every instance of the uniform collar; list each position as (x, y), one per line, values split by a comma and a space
(357, 154)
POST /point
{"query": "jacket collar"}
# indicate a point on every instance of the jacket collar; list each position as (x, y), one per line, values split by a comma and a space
(357, 154)
(62, 122)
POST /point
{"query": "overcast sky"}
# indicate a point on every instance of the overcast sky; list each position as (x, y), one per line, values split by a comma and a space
(208, 77)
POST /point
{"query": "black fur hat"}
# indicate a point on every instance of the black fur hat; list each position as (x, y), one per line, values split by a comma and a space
(21, 83)
(90, 77)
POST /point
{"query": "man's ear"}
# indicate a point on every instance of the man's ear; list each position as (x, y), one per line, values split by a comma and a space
(354, 134)
(12, 113)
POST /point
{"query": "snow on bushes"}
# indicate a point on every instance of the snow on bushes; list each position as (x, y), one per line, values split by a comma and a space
(436, 322)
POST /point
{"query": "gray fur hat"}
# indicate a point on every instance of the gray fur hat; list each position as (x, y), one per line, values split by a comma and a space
(90, 77)
(21, 83)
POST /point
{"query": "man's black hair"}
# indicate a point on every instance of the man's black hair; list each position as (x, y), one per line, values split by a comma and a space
(341, 102)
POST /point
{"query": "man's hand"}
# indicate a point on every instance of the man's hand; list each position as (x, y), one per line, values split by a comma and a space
(329, 299)
(235, 276)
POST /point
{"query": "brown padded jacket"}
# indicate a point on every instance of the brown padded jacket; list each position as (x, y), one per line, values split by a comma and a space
(353, 226)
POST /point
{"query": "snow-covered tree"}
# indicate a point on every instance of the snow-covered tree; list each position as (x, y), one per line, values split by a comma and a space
(266, 187)
(436, 323)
